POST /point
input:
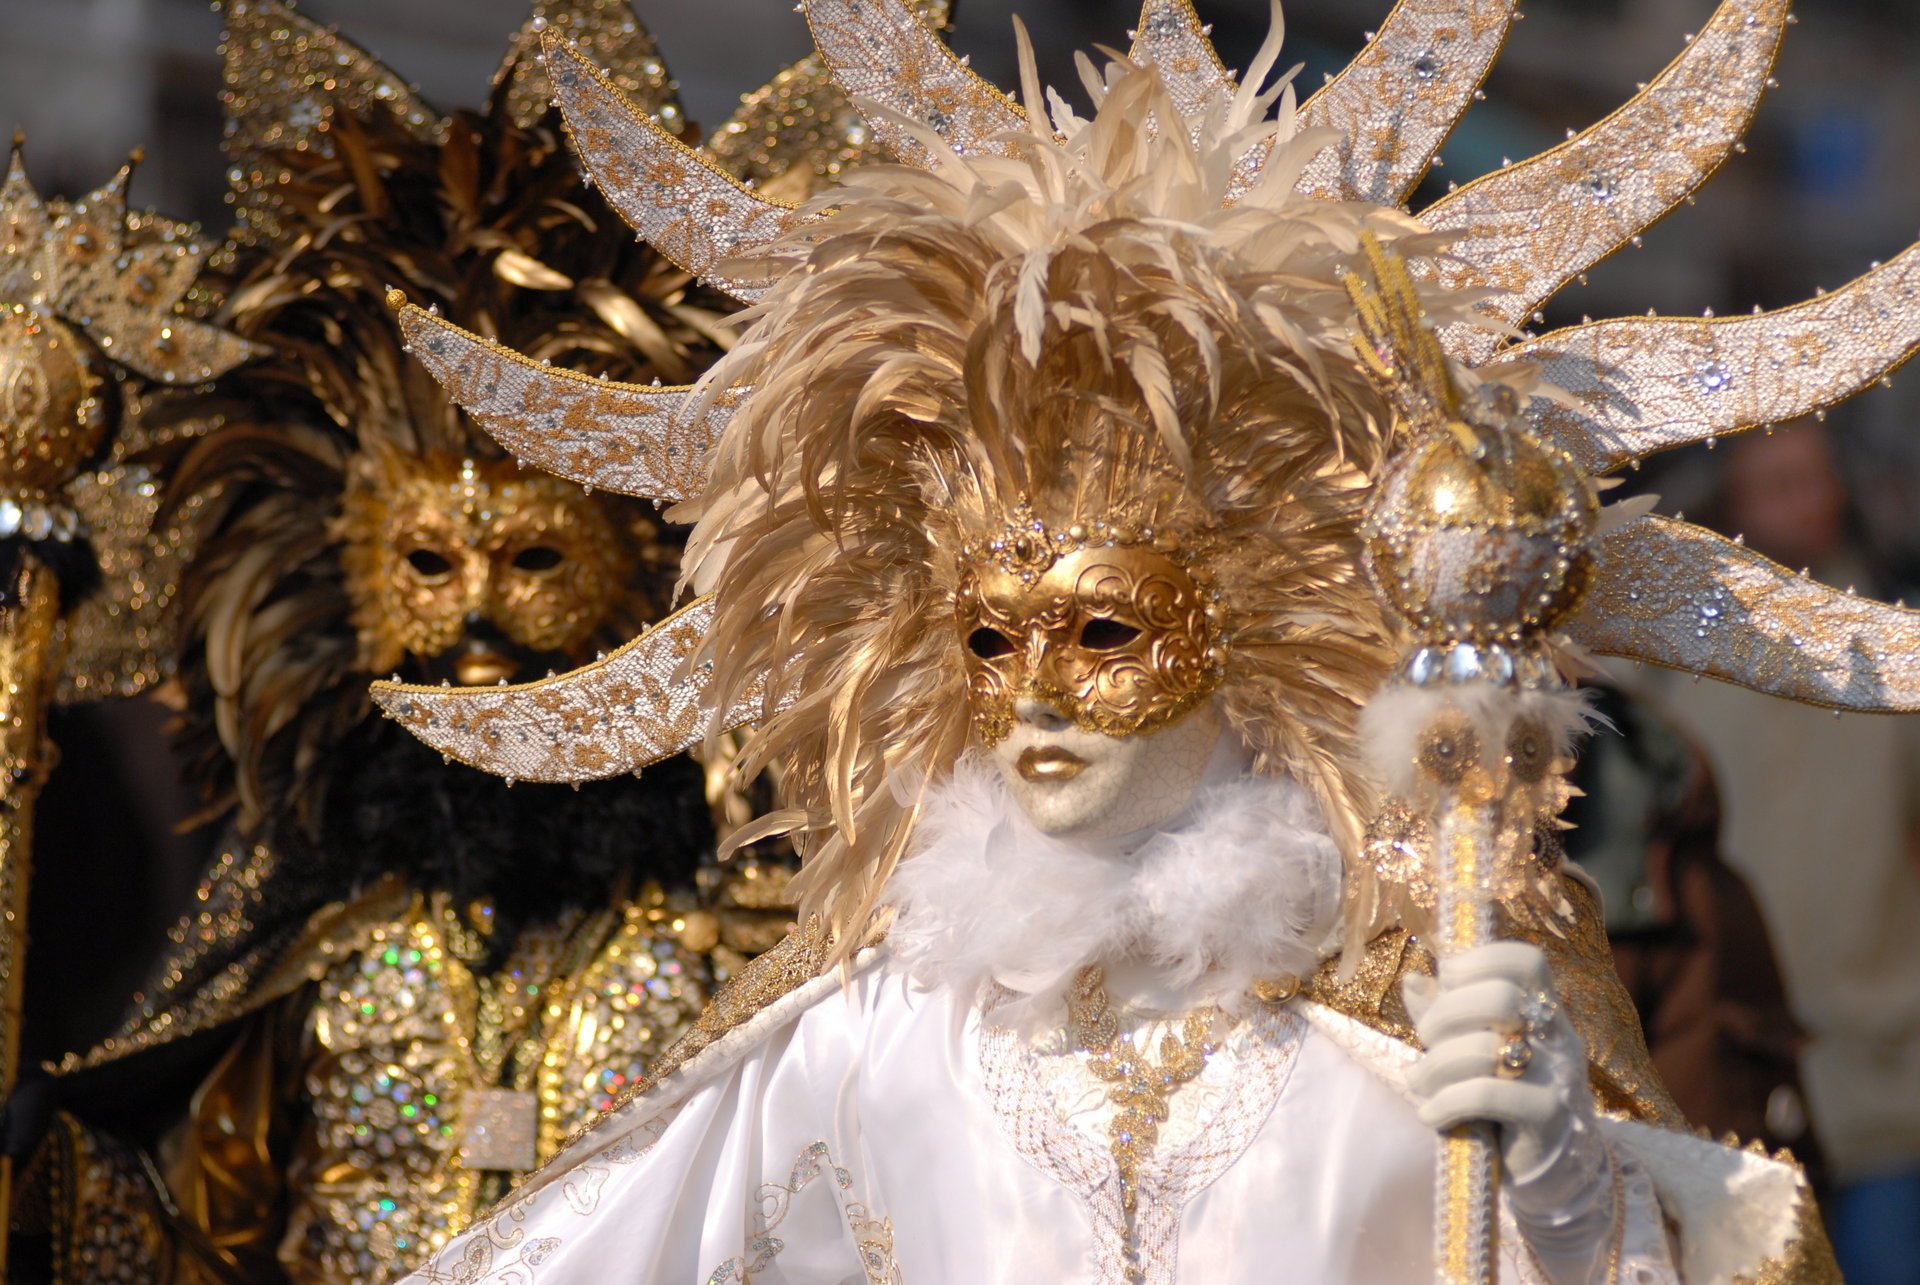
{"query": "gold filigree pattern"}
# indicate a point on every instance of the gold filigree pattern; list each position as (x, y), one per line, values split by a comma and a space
(1140, 1083)
(1681, 596)
(676, 198)
(622, 713)
(1648, 384)
(1143, 1245)
(629, 438)
(873, 1236)
(1122, 639)
(1530, 228)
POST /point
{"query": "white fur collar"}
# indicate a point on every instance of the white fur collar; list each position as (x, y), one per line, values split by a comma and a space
(1244, 887)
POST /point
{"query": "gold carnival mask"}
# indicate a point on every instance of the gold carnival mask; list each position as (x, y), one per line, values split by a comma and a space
(436, 549)
(1122, 638)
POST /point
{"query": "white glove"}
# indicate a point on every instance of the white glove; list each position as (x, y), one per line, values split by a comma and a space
(1500, 1049)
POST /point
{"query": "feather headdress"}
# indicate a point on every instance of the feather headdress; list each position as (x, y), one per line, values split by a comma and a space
(1098, 340)
(1139, 318)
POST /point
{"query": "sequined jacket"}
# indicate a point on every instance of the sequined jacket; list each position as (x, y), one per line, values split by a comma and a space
(375, 1089)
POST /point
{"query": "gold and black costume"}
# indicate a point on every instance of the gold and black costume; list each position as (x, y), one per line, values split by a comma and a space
(403, 985)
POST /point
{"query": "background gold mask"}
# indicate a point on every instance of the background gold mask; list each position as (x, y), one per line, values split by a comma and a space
(1121, 639)
(440, 550)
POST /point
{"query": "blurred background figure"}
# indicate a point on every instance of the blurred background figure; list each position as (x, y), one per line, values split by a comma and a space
(1820, 819)
(1689, 940)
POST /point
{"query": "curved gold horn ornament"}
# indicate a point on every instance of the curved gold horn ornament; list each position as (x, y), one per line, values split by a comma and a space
(1528, 229)
(1678, 595)
(622, 713)
(633, 439)
(678, 200)
(1648, 384)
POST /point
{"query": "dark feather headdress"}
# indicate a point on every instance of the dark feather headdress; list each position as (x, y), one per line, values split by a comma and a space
(349, 184)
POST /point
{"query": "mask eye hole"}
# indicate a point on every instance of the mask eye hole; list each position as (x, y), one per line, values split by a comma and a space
(1107, 635)
(430, 565)
(989, 644)
(537, 557)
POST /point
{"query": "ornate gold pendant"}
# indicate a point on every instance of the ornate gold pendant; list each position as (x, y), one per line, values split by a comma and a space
(1141, 1083)
(502, 1130)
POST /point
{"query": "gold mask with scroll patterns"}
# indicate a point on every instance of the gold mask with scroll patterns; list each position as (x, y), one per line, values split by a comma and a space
(434, 547)
(1114, 631)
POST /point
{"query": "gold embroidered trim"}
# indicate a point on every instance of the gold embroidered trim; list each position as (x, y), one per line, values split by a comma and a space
(1140, 1087)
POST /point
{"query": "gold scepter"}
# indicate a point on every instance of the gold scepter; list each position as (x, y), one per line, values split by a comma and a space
(89, 324)
(1478, 539)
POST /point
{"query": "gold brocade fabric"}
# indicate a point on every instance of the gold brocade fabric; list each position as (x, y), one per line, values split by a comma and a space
(111, 1228)
(326, 1147)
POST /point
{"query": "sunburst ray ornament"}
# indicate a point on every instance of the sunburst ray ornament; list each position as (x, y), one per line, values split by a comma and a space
(91, 310)
(1662, 591)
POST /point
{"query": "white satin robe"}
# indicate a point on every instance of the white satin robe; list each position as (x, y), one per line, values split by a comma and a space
(874, 1132)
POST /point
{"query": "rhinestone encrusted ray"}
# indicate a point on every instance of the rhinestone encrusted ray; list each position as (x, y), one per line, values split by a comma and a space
(634, 439)
(621, 713)
(1678, 595)
(1642, 385)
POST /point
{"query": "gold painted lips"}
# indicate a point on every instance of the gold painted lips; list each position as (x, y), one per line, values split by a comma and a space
(1049, 764)
(482, 666)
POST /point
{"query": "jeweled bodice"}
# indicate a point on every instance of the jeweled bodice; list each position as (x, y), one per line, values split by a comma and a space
(418, 1063)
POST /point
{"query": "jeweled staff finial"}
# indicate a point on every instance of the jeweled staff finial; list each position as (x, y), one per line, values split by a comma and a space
(1479, 538)
(1480, 535)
